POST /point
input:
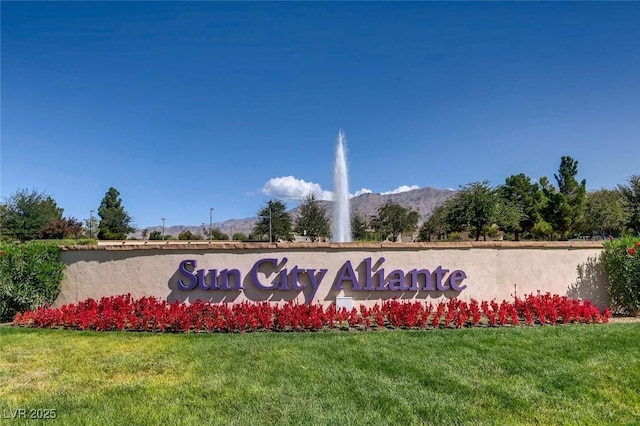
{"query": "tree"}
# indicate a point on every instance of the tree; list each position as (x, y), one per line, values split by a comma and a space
(274, 221)
(393, 219)
(312, 219)
(527, 197)
(565, 205)
(436, 226)
(604, 213)
(508, 217)
(145, 233)
(359, 227)
(474, 206)
(214, 234)
(542, 230)
(631, 194)
(187, 235)
(239, 236)
(26, 213)
(218, 235)
(155, 236)
(115, 222)
(62, 228)
(91, 227)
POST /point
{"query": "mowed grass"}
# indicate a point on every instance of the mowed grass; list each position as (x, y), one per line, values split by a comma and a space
(579, 374)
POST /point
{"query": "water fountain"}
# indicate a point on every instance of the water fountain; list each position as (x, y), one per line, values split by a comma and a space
(341, 212)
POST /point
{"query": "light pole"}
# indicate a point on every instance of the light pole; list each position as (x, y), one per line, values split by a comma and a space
(90, 223)
(163, 219)
(210, 222)
(270, 228)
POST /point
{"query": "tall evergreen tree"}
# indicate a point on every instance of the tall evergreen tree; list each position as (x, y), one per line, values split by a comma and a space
(273, 222)
(359, 226)
(565, 205)
(527, 197)
(312, 221)
(115, 222)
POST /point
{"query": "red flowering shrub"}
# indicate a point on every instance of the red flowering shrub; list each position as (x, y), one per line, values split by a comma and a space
(150, 314)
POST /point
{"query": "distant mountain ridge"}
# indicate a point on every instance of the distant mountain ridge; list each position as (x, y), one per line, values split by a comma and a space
(423, 200)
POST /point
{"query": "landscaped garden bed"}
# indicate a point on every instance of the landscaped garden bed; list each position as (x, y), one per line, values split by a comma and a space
(153, 315)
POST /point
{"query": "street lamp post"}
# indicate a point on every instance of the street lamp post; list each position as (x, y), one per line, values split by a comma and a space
(210, 222)
(163, 219)
(270, 227)
(90, 223)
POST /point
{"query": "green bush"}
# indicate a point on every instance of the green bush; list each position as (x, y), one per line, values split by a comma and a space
(30, 276)
(621, 259)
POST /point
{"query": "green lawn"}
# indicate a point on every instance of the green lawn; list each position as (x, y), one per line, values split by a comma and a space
(578, 374)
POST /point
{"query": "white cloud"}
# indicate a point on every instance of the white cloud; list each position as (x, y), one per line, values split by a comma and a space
(401, 188)
(360, 192)
(290, 188)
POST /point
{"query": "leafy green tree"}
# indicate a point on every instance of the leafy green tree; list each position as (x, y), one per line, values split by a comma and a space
(155, 236)
(217, 234)
(631, 194)
(115, 222)
(273, 216)
(214, 234)
(187, 235)
(312, 221)
(437, 226)
(473, 207)
(394, 219)
(359, 227)
(508, 217)
(239, 236)
(565, 205)
(605, 213)
(527, 197)
(542, 230)
(25, 214)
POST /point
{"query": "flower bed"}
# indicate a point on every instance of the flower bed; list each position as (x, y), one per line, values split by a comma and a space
(153, 315)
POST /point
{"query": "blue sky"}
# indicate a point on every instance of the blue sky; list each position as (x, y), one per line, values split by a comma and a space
(187, 106)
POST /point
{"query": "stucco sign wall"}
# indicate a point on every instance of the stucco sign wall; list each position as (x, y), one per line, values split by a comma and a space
(369, 273)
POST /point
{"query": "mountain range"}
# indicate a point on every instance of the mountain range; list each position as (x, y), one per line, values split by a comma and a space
(423, 200)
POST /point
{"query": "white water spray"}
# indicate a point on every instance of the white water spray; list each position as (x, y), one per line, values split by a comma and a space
(341, 212)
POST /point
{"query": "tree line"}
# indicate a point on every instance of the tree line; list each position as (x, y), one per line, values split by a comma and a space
(30, 215)
(518, 209)
(523, 209)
